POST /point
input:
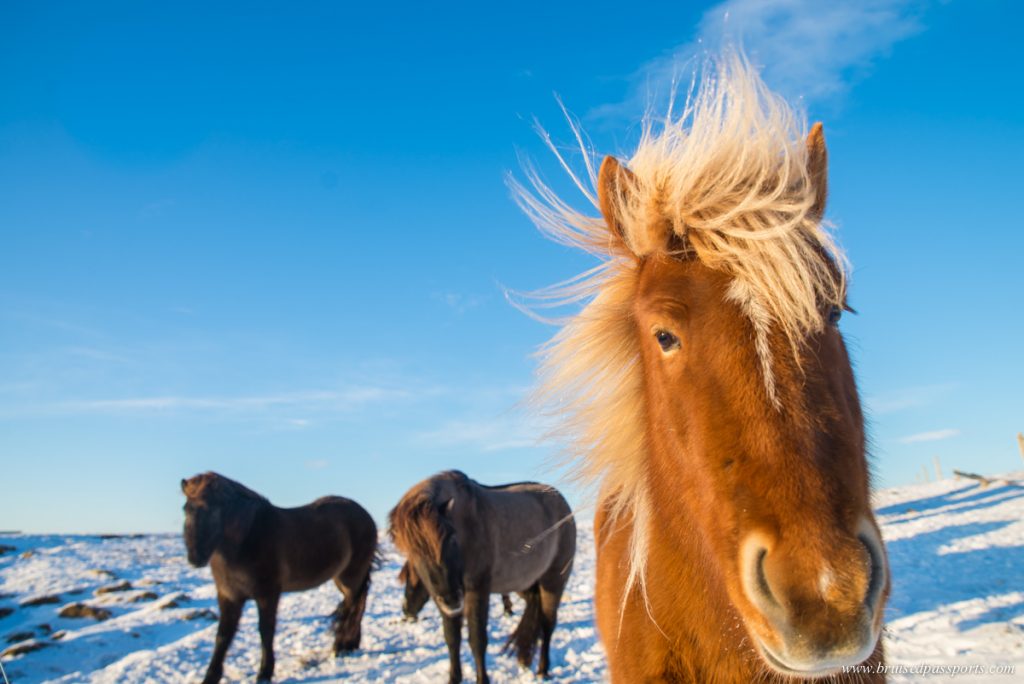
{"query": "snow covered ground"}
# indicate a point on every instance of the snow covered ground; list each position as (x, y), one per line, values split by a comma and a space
(957, 553)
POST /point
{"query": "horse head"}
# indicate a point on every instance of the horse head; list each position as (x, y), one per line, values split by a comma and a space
(217, 510)
(421, 527)
(753, 421)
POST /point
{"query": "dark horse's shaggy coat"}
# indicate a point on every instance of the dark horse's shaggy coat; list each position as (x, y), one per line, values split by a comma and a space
(464, 541)
(257, 551)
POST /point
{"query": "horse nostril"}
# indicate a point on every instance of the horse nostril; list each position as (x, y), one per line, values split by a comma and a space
(762, 580)
(876, 580)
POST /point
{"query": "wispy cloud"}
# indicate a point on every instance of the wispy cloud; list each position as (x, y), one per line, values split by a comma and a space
(499, 434)
(317, 464)
(459, 303)
(330, 400)
(806, 48)
(932, 436)
(906, 398)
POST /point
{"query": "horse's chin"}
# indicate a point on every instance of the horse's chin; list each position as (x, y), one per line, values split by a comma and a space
(451, 612)
(814, 667)
(198, 560)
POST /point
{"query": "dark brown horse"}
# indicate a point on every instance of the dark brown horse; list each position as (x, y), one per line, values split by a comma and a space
(465, 541)
(416, 594)
(708, 391)
(257, 551)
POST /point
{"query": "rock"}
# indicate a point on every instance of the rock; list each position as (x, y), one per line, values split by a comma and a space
(41, 600)
(204, 614)
(44, 628)
(83, 610)
(27, 554)
(144, 596)
(23, 648)
(5, 611)
(20, 636)
(100, 572)
(123, 585)
(59, 634)
(4, 548)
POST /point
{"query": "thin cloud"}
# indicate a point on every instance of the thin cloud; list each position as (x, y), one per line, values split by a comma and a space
(806, 48)
(347, 398)
(485, 435)
(907, 398)
(933, 436)
(459, 303)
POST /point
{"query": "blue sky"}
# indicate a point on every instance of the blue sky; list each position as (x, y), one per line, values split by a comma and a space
(273, 242)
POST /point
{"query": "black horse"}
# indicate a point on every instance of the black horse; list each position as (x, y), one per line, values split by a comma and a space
(257, 551)
(465, 541)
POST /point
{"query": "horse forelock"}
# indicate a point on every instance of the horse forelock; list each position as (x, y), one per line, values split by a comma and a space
(417, 526)
(725, 182)
(211, 487)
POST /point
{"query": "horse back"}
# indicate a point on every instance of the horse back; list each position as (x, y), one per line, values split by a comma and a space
(319, 540)
(527, 535)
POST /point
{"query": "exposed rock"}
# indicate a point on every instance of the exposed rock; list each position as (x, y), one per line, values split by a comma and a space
(59, 634)
(27, 554)
(144, 596)
(20, 636)
(44, 628)
(5, 611)
(204, 614)
(23, 648)
(123, 585)
(83, 610)
(41, 600)
(101, 572)
(4, 548)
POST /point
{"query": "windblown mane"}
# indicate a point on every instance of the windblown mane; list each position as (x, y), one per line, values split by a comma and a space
(725, 182)
(416, 525)
(211, 486)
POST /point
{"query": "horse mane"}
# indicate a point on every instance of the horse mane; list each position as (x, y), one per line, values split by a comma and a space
(726, 182)
(416, 524)
(216, 488)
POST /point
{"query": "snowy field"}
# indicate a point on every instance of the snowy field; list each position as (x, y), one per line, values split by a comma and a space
(956, 548)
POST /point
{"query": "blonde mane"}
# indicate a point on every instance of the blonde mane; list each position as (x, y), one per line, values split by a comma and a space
(726, 182)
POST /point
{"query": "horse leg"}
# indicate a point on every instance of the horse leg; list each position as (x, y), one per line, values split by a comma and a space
(230, 613)
(523, 639)
(477, 602)
(549, 600)
(506, 603)
(453, 637)
(348, 620)
(268, 624)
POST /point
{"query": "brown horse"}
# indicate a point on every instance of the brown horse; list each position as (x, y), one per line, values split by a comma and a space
(465, 540)
(708, 391)
(416, 594)
(257, 551)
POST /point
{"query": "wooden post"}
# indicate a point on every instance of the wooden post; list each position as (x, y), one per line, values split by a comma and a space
(938, 468)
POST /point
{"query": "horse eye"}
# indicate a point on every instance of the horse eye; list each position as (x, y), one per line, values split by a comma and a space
(667, 340)
(834, 314)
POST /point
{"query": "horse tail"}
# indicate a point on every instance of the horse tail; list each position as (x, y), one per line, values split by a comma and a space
(524, 638)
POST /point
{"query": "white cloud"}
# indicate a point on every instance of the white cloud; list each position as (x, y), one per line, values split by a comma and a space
(500, 434)
(893, 401)
(933, 436)
(806, 48)
(459, 303)
(347, 398)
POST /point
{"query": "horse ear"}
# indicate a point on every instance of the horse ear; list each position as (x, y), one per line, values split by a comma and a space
(614, 183)
(817, 168)
(184, 486)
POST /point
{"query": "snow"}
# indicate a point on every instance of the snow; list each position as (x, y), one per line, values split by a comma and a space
(956, 551)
